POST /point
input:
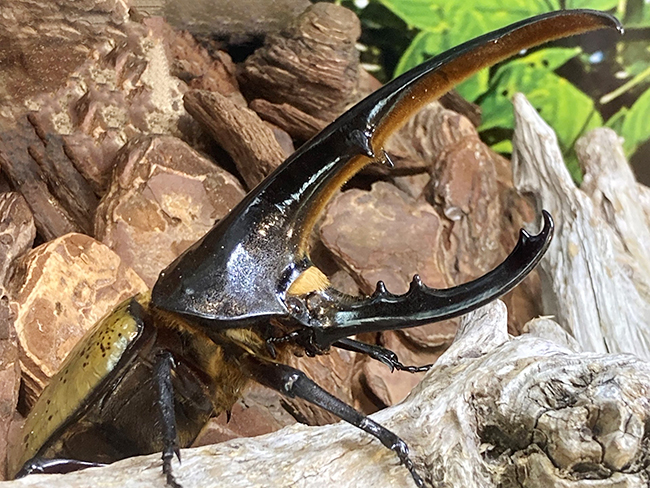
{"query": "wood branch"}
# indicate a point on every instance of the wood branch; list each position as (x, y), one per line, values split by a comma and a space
(248, 140)
(17, 231)
(491, 412)
(601, 236)
(312, 65)
(297, 123)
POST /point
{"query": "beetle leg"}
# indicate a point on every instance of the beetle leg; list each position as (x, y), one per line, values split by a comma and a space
(163, 379)
(294, 383)
(54, 466)
(386, 356)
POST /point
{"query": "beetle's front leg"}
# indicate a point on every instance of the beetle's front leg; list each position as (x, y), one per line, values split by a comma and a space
(294, 383)
(381, 354)
(163, 379)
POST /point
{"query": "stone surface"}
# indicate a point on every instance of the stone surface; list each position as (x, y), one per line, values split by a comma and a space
(258, 412)
(385, 235)
(17, 231)
(62, 288)
(248, 139)
(312, 65)
(242, 21)
(297, 123)
(94, 78)
(164, 197)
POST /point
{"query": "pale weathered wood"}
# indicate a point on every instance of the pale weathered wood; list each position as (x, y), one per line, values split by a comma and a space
(493, 411)
(597, 283)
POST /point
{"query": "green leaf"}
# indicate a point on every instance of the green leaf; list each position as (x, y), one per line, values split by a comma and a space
(639, 17)
(472, 88)
(567, 109)
(503, 147)
(423, 14)
(429, 14)
(424, 46)
(548, 59)
(592, 4)
(632, 124)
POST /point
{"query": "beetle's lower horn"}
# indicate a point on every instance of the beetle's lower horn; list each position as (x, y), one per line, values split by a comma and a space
(421, 304)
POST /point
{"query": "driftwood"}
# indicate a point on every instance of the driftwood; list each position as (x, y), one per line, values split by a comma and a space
(597, 270)
(493, 411)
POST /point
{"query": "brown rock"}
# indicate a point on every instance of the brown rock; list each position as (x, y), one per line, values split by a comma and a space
(385, 235)
(409, 148)
(50, 216)
(164, 197)
(17, 231)
(297, 123)
(92, 80)
(192, 63)
(9, 373)
(236, 22)
(392, 387)
(471, 185)
(248, 140)
(413, 185)
(313, 65)
(258, 412)
(63, 288)
(464, 186)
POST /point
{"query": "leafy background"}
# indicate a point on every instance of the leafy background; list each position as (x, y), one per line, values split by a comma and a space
(576, 84)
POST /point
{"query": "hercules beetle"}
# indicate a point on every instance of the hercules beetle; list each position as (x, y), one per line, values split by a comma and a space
(234, 304)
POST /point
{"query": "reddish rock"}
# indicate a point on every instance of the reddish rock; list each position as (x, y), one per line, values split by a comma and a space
(62, 288)
(248, 139)
(312, 65)
(258, 412)
(163, 198)
(392, 387)
(17, 231)
(333, 372)
(385, 235)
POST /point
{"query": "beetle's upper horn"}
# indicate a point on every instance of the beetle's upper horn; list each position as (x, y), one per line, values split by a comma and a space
(243, 270)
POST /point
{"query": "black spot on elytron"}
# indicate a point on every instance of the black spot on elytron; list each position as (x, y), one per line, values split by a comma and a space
(545, 63)
(104, 355)
(26, 437)
(48, 402)
(49, 418)
(65, 380)
(504, 93)
(532, 65)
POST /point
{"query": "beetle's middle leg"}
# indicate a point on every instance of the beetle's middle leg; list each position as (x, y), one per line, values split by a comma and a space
(382, 354)
(163, 380)
(294, 383)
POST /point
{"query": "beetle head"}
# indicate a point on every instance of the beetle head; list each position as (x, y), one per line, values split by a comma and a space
(254, 266)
